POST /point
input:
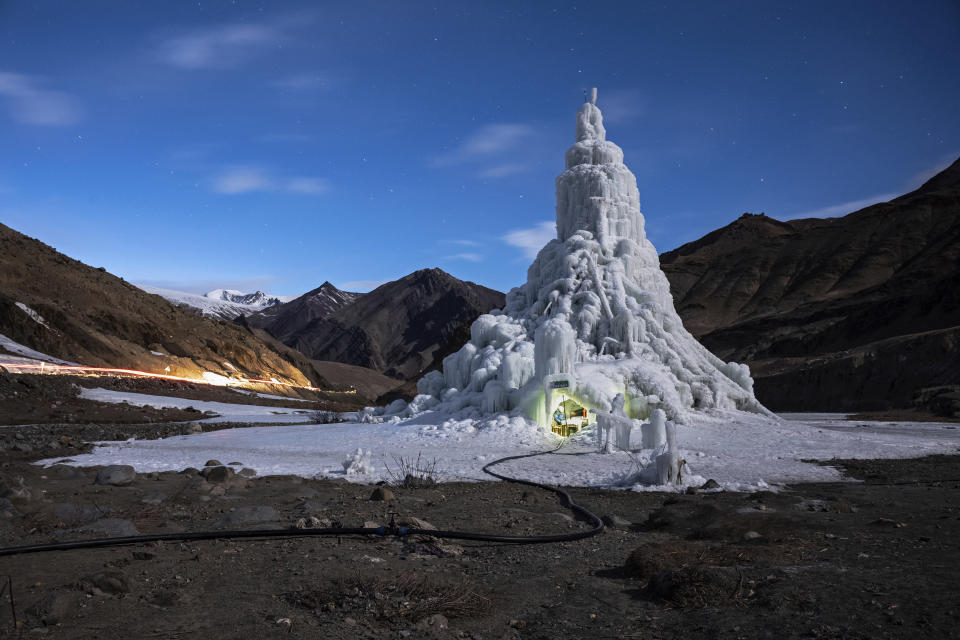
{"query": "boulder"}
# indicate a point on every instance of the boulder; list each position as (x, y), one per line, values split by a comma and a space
(382, 494)
(117, 475)
(217, 474)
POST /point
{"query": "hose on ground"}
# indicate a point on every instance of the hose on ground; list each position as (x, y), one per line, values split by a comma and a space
(392, 530)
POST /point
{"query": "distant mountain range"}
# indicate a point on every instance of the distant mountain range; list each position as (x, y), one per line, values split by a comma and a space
(225, 304)
(401, 329)
(851, 313)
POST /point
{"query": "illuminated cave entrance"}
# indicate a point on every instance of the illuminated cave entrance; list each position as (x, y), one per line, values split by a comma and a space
(566, 414)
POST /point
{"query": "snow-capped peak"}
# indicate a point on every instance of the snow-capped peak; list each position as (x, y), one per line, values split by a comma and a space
(258, 299)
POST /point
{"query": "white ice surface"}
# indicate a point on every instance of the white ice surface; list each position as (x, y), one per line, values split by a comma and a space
(228, 412)
(739, 450)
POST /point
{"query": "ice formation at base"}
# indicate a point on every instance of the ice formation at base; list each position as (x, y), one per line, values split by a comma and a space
(594, 321)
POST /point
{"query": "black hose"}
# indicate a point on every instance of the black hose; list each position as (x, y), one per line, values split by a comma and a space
(565, 500)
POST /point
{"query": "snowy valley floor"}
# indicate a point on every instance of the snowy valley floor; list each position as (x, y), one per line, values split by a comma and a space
(740, 451)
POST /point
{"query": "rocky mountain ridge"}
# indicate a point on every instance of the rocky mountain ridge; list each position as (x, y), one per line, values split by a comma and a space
(93, 317)
(848, 313)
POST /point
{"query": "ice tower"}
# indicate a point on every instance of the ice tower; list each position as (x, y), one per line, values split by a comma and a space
(595, 318)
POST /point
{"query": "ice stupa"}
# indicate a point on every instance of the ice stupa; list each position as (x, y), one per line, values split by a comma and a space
(595, 319)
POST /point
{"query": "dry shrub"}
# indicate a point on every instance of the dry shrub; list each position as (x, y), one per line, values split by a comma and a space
(413, 474)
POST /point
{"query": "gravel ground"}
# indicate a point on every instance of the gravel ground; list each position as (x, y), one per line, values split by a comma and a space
(872, 559)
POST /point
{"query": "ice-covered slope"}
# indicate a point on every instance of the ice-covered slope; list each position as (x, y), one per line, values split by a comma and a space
(225, 304)
(595, 314)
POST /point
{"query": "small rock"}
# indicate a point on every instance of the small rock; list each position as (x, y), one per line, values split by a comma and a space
(692, 491)
(65, 472)
(370, 524)
(54, 608)
(350, 622)
(887, 522)
(213, 463)
(381, 494)
(190, 471)
(710, 484)
(247, 472)
(155, 497)
(105, 528)
(218, 490)
(751, 535)
(16, 492)
(235, 464)
(416, 523)
(616, 522)
(107, 582)
(313, 523)
(249, 515)
(436, 622)
(117, 475)
(217, 474)
(194, 428)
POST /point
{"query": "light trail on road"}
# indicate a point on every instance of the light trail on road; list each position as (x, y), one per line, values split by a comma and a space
(79, 370)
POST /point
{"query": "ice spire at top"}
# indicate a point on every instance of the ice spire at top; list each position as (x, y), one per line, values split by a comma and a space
(590, 120)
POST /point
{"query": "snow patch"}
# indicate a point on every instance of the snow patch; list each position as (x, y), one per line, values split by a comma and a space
(36, 317)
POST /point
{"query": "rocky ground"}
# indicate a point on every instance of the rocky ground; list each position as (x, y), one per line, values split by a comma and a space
(871, 559)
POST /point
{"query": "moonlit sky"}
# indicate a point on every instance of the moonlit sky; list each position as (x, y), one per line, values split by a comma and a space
(277, 145)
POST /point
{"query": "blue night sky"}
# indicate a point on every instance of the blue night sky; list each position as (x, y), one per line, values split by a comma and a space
(277, 145)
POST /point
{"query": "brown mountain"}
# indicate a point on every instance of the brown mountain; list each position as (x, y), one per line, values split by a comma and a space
(401, 329)
(92, 317)
(846, 313)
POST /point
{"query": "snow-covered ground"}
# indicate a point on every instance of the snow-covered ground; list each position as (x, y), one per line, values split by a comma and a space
(739, 450)
(228, 412)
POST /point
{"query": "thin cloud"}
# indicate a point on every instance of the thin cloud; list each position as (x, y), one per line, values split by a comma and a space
(922, 176)
(465, 243)
(486, 141)
(843, 208)
(469, 257)
(504, 170)
(218, 47)
(620, 106)
(307, 185)
(201, 287)
(361, 285)
(29, 103)
(532, 240)
(240, 180)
